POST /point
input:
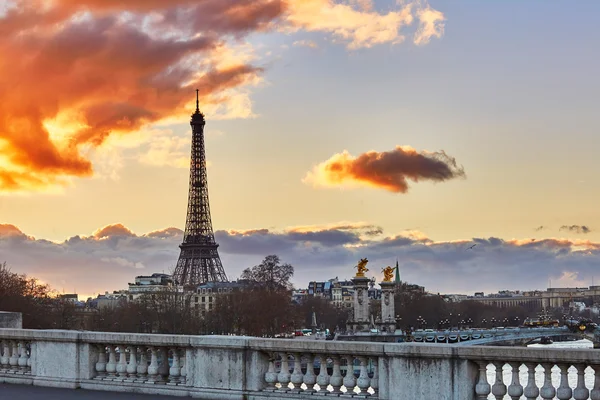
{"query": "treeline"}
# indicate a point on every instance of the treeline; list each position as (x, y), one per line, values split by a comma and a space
(36, 301)
(419, 310)
(263, 307)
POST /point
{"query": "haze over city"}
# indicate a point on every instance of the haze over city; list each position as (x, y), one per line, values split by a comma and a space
(335, 130)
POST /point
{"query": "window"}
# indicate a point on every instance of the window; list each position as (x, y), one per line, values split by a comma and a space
(196, 299)
(204, 299)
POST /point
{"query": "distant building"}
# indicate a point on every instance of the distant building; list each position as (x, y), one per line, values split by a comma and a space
(454, 298)
(148, 284)
(339, 293)
(70, 297)
(298, 296)
(110, 300)
(206, 294)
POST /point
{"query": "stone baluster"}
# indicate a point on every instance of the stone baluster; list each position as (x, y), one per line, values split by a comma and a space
(515, 390)
(547, 391)
(349, 379)
(163, 365)
(29, 358)
(595, 393)
(581, 392)
(153, 367)
(483, 388)
(271, 375)
(375, 378)
(297, 378)
(531, 391)
(323, 377)
(309, 377)
(183, 373)
(284, 374)
(111, 365)
(101, 364)
(175, 370)
(122, 364)
(132, 365)
(14, 357)
(336, 379)
(4, 360)
(142, 366)
(23, 357)
(499, 388)
(363, 382)
(564, 391)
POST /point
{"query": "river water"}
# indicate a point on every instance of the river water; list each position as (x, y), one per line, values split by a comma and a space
(539, 375)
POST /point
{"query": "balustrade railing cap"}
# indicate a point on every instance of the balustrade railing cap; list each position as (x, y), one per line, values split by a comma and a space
(317, 346)
(50, 335)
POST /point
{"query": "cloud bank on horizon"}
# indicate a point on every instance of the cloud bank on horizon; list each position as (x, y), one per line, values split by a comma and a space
(113, 255)
(75, 73)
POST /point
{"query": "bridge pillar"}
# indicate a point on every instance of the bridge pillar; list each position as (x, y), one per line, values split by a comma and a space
(360, 321)
(388, 312)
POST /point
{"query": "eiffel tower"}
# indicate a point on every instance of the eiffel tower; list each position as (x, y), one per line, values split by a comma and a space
(199, 260)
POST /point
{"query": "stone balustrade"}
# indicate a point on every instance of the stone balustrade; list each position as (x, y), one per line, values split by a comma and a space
(230, 367)
(482, 336)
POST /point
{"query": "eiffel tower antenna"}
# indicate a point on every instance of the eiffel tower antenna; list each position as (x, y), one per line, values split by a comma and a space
(199, 260)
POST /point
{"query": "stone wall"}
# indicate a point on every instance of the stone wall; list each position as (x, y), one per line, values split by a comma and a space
(248, 368)
(13, 320)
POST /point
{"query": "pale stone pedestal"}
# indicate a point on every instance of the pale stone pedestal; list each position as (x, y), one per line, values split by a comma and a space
(388, 311)
(360, 322)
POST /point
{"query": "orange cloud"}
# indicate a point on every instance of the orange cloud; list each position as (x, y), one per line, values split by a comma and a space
(387, 170)
(360, 25)
(112, 230)
(431, 24)
(8, 230)
(75, 72)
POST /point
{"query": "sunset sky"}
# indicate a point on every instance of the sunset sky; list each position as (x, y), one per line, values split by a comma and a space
(336, 130)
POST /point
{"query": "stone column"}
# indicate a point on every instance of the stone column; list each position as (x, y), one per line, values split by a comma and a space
(388, 311)
(361, 303)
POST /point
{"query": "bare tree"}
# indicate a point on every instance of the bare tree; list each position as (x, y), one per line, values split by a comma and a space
(270, 273)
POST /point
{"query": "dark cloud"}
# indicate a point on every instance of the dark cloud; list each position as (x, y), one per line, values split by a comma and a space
(541, 228)
(387, 170)
(113, 255)
(166, 233)
(576, 228)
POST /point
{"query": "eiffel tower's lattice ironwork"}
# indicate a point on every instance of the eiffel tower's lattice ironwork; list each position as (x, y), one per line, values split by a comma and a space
(199, 260)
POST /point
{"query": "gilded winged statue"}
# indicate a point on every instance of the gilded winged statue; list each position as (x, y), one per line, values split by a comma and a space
(388, 273)
(361, 267)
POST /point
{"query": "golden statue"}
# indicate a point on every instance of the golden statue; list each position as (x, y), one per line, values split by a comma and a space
(361, 268)
(388, 273)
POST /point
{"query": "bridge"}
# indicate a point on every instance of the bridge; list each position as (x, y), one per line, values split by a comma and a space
(498, 336)
(248, 368)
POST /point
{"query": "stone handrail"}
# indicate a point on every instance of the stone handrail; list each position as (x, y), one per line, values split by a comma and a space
(232, 367)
